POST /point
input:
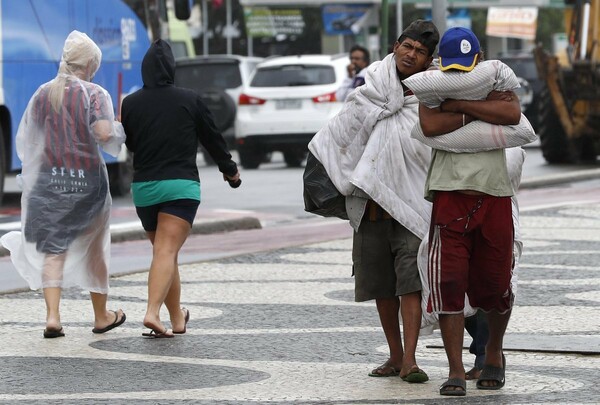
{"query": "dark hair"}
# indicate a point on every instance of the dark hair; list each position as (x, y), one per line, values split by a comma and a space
(423, 31)
(367, 56)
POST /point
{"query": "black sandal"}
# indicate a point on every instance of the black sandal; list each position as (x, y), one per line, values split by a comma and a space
(454, 382)
(492, 373)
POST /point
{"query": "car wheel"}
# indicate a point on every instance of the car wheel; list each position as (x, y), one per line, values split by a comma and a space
(553, 138)
(293, 158)
(250, 158)
(221, 105)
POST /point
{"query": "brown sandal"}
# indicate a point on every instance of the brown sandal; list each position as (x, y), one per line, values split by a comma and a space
(187, 319)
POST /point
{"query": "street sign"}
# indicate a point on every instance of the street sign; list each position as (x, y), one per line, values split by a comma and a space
(512, 22)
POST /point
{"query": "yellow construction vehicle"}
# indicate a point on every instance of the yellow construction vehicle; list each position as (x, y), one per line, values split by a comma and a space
(569, 109)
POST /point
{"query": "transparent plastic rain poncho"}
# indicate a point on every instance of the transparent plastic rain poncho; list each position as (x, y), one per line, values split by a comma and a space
(65, 193)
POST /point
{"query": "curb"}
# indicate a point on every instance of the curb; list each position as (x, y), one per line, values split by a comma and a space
(129, 232)
(136, 232)
(554, 179)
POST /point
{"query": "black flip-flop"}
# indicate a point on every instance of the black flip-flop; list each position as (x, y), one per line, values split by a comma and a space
(454, 382)
(187, 319)
(53, 333)
(113, 325)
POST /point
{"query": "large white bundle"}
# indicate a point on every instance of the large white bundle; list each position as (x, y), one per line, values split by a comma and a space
(479, 136)
(432, 87)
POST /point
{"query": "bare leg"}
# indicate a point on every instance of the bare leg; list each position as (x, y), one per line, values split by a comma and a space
(52, 274)
(173, 302)
(170, 235)
(493, 350)
(388, 315)
(102, 316)
(452, 327)
(173, 298)
(410, 305)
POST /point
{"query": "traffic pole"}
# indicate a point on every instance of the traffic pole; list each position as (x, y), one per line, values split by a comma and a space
(384, 28)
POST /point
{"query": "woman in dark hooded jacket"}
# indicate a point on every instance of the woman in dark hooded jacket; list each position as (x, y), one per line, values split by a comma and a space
(164, 124)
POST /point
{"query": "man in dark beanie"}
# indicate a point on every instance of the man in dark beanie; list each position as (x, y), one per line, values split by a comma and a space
(422, 31)
(370, 157)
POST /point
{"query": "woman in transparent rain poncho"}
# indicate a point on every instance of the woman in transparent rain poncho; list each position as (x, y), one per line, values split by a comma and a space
(65, 239)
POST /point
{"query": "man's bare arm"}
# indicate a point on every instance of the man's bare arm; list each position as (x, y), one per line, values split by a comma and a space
(436, 122)
(499, 108)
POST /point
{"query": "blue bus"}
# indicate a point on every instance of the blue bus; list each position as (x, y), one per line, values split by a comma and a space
(32, 35)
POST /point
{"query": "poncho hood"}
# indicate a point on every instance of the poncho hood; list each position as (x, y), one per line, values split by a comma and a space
(158, 66)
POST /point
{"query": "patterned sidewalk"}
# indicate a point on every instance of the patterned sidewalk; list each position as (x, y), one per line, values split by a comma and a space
(281, 327)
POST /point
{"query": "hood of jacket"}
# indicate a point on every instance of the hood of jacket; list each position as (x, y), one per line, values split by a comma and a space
(158, 66)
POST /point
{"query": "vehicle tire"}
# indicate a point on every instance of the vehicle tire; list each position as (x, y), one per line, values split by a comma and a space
(120, 176)
(554, 142)
(585, 150)
(267, 157)
(2, 165)
(293, 158)
(250, 158)
(221, 105)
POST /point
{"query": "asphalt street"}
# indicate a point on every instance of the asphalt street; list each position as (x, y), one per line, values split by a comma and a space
(280, 326)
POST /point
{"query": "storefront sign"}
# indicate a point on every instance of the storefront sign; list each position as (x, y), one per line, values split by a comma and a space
(344, 19)
(270, 22)
(518, 22)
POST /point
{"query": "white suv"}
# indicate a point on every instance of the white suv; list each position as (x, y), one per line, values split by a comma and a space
(219, 80)
(287, 102)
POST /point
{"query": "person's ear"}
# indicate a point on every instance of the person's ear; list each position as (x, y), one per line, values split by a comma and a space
(428, 63)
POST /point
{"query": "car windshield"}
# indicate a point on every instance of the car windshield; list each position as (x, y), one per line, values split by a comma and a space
(202, 76)
(293, 75)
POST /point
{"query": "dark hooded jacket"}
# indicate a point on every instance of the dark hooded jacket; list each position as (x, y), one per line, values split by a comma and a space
(164, 124)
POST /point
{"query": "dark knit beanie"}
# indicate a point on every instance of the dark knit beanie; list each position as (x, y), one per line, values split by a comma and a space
(423, 31)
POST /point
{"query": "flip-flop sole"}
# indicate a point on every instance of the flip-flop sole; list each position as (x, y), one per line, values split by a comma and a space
(416, 377)
(113, 325)
(392, 373)
(52, 333)
(158, 335)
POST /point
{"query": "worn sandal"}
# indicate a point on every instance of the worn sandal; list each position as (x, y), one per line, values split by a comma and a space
(187, 319)
(385, 370)
(492, 373)
(117, 322)
(416, 376)
(454, 382)
(53, 333)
